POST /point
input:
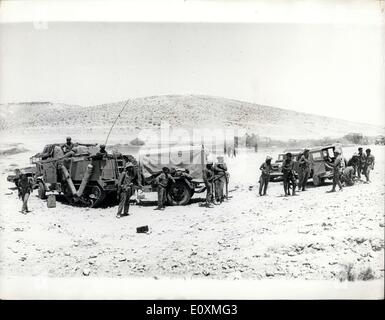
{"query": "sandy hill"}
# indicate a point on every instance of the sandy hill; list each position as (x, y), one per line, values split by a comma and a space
(187, 111)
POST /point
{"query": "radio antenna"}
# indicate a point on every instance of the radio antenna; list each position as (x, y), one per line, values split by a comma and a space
(116, 121)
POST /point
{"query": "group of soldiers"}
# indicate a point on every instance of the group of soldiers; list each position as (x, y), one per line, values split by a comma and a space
(216, 179)
(344, 172)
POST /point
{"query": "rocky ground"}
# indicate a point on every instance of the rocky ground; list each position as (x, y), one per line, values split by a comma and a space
(314, 235)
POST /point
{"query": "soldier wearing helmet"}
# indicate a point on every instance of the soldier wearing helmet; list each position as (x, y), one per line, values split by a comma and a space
(220, 179)
(266, 168)
(369, 164)
(361, 159)
(102, 151)
(304, 170)
(208, 178)
(25, 187)
(68, 146)
(128, 182)
(288, 174)
(353, 162)
(338, 166)
(162, 181)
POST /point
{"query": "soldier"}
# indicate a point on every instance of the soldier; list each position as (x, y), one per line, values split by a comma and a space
(102, 151)
(220, 179)
(348, 176)
(25, 187)
(360, 162)
(288, 174)
(162, 182)
(127, 183)
(337, 166)
(208, 178)
(67, 147)
(353, 162)
(264, 179)
(304, 170)
(369, 164)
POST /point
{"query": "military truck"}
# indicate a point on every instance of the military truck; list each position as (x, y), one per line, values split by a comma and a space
(88, 179)
(180, 159)
(276, 174)
(83, 177)
(318, 156)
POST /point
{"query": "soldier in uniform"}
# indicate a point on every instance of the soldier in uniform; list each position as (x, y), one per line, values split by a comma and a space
(102, 150)
(128, 181)
(220, 179)
(67, 147)
(348, 176)
(360, 162)
(162, 182)
(264, 179)
(369, 164)
(304, 170)
(25, 187)
(338, 167)
(208, 178)
(353, 162)
(288, 174)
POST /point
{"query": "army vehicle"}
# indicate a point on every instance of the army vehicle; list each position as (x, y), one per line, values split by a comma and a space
(276, 174)
(83, 176)
(380, 140)
(87, 178)
(186, 164)
(318, 156)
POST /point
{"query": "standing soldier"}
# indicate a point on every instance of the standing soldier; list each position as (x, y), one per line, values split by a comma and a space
(360, 162)
(162, 182)
(304, 170)
(369, 164)
(127, 182)
(337, 166)
(220, 179)
(264, 179)
(208, 178)
(288, 174)
(25, 187)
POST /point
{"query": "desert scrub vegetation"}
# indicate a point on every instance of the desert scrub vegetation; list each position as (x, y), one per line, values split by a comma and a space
(348, 274)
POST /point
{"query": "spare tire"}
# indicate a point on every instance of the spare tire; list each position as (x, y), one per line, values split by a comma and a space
(317, 181)
(178, 194)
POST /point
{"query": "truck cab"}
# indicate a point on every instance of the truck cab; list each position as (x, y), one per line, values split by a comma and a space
(318, 157)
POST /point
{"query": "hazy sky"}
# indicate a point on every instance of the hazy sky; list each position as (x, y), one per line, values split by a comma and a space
(333, 70)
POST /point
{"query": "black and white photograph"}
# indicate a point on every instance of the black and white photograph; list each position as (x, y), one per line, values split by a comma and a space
(192, 149)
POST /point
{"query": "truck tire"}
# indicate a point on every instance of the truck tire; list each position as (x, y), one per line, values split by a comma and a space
(41, 190)
(179, 194)
(316, 181)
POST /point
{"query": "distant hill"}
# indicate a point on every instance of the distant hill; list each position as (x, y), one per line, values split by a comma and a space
(185, 111)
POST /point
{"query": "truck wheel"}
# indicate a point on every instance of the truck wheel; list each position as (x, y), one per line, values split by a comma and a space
(96, 196)
(316, 181)
(179, 194)
(41, 191)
